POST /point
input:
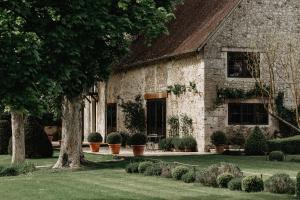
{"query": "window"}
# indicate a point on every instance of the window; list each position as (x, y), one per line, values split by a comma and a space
(111, 118)
(156, 117)
(247, 114)
(242, 64)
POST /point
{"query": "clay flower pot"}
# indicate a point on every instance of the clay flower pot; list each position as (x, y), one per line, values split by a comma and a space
(95, 146)
(138, 150)
(115, 148)
(220, 149)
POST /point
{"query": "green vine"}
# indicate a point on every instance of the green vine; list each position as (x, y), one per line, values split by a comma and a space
(182, 124)
(186, 125)
(173, 122)
(179, 89)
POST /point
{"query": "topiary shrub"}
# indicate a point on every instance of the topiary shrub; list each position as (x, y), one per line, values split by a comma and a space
(298, 186)
(179, 171)
(256, 143)
(132, 167)
(252, 184)
(166, 170)
(235, 184)
(137, 139)
(290, 145)
(189, 177)
(144, 165)
(154, 170)
(95, 138)
(114, 138)
(224, 179)
(37, 144)
(218, 138)
(276, 156)
(5, 135)
(166, 144)
(178, 144)
(281, 184)
(189, 143)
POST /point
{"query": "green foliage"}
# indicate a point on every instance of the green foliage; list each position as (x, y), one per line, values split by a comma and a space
(125, 137)
(178, 144)
(235, 184)
(16, 170)
(186, 125)
(144, 165)
(189, 177)
(256, 143)
(280, 183)
(8, 171)
(173, 122)
(95, 137)
(276, 156)
(154, 170)
(298, 186)
(166, 144)
(114, 138)
(137, 139)
(166, 170)
(5, 134)
(252, 184)
(290, 145)
(134, 115)
(179, 89)
(132, 167)
(179, 171)
(224, 179)
(218, 138)
(189, 143)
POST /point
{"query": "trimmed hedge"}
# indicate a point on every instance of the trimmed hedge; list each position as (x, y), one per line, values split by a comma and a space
(5, 135)
(276, 156)
(224, 179)
(235, 184)
(144, 165)
(252, 184)
(281, 184)
(290, 145)
(132, 168)
(179, 171)
(189, 177)
(154, 170)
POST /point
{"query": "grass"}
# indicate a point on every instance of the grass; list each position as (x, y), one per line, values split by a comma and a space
(108, 180)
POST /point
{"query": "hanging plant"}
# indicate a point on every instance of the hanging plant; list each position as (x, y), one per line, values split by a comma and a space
(179, 89)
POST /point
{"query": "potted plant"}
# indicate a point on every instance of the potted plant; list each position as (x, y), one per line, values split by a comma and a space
(95, 140)
(190, 144)
(219, 139)
(114, 141)
(137, 142)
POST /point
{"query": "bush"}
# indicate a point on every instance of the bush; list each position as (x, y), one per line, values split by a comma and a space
(256, 143)
(8, 171)
(114, 138)
(138, 139)
(178, 144)
(166, 170)
(252, 184)
(188, 177)
(281, 184)
(5, 135)
(218, 138)
(144, 165)
(189, 143)
(179, 171)
(166, 144)
(224, 179)
(132, 167)
(235, 184)
(298, 186)
(237, 138)
(154, 170)
(125, 137)
(276, 156)
(37, 144)
(95, 137)
(16, 170)
(290, 145)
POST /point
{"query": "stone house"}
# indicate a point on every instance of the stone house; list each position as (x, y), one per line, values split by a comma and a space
(205, 49)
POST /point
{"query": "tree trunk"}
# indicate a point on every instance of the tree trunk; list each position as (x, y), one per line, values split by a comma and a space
(71, 150)
(18, 138)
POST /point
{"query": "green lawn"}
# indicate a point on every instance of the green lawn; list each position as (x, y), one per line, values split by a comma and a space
(108, 180)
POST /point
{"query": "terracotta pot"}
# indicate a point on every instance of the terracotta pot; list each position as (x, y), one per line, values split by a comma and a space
(115, 148)
(220, 149)
(95, 146)
(138, 150)
(50, 138)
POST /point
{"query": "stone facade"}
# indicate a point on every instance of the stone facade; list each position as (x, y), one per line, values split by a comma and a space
(243, 31)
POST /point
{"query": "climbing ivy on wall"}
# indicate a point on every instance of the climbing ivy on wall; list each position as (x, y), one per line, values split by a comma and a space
(182, 124)
(178, 89)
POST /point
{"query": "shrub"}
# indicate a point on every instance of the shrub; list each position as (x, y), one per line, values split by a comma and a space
(223, 180)
(144, 165)
(132, 167)
(276, 156)
(5, 135)
(153, 170)
(138, 139)
(178, 143)
(179, 171)
(189, 177)
(256, 143)
(125, 137)
(237, 138)
(281, 184)
(166, 170)
(95, 137)
(298, 186)
(114, 138)
(218, 138)
(235, 184)
(252, 184)
(8, 171)
(166, 144)
(25, 168)
(290, 145)
(189, 143)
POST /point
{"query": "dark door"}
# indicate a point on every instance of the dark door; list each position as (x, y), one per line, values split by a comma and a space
(156, 117)
(111, 118)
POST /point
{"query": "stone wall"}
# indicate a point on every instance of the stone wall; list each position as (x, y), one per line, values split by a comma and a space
(253, 25)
